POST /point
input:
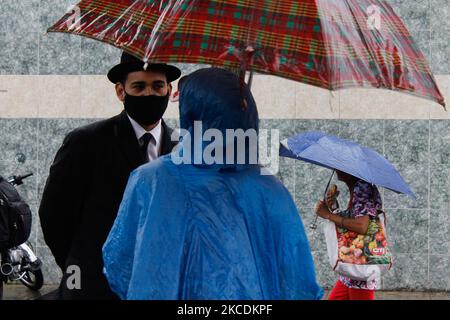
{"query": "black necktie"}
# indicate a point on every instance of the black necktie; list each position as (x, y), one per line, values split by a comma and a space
(144, 141)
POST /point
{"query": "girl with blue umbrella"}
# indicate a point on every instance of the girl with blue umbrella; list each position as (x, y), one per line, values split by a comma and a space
(365, 203)
(361, 169)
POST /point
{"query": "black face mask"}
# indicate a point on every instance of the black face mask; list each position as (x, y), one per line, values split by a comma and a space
(146, 110)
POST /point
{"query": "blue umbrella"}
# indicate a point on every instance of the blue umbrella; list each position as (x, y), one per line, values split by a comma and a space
(334, 153)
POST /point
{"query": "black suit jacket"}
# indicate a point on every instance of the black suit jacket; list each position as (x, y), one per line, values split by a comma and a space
(82, 196)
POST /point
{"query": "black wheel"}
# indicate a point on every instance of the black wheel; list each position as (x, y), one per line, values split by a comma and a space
(33, 279)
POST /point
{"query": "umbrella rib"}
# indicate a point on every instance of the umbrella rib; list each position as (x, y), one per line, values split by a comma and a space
(362, 37)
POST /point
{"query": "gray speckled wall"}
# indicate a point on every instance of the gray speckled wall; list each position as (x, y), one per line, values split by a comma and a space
(22, 24)
(419, 230)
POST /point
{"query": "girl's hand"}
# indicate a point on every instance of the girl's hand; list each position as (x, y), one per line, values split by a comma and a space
(322, 209)
(332, 194)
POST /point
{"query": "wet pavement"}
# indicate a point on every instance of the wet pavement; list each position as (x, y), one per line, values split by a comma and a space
(407, 295)
(19, 292)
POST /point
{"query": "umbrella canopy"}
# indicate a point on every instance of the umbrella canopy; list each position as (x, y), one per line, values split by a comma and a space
(326, 43)
(334, 153)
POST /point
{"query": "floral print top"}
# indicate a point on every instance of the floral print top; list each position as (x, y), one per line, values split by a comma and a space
(366, 200)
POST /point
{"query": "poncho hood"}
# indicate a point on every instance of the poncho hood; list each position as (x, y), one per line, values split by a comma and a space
(214, 103)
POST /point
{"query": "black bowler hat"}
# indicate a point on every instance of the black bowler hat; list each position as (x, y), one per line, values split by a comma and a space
(129, 63)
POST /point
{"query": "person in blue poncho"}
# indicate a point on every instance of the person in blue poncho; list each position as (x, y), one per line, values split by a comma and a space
(200, 229)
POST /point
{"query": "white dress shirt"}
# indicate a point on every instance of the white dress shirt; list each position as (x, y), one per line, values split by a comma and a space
(154, 146)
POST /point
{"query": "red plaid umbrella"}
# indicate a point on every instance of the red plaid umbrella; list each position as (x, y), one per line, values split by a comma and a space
(332, 44)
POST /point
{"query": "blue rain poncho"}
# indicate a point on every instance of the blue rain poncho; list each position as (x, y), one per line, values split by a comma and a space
(209, 231)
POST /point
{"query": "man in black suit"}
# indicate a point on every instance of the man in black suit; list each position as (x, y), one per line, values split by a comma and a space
(90, 172)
